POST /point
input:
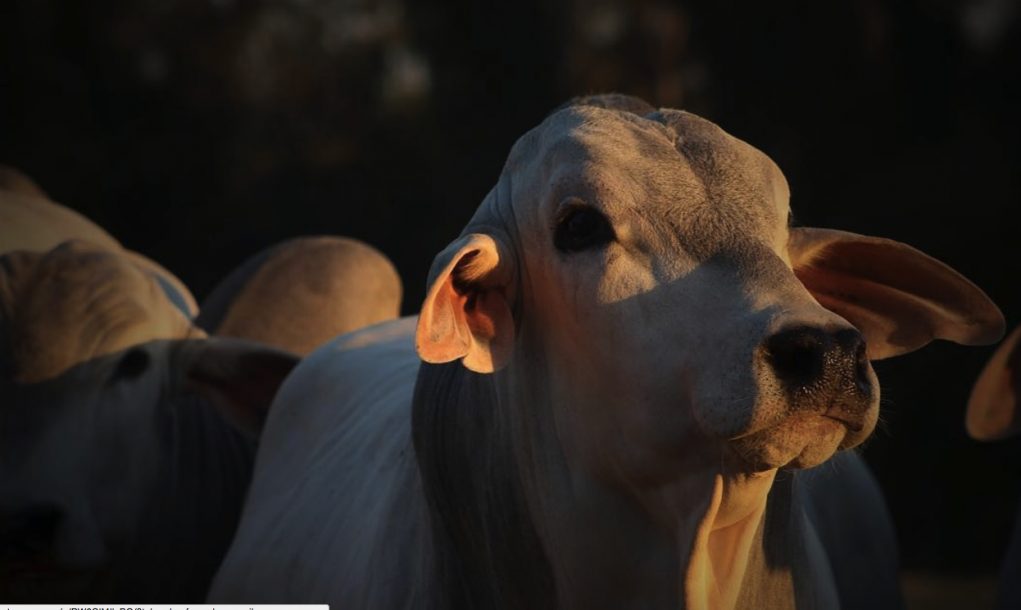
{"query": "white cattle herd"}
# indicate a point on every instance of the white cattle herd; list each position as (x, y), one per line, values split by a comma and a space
(617, 393)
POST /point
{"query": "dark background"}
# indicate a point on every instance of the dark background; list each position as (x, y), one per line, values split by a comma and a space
(199, 132)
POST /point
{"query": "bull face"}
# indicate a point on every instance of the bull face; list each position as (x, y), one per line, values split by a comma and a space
(649, 258)
(102, 467)
(80, 453)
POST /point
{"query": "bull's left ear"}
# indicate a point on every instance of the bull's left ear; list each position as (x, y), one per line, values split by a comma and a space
(466, 313)
(992, 409)
(898, 297)
(240, 378)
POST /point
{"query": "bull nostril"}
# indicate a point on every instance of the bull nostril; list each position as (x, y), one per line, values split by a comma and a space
(862, 366)
(853, 350)
(806, 356)
(798, 355)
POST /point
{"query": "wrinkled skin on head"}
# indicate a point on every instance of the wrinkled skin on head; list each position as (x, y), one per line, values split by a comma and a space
(74, 303)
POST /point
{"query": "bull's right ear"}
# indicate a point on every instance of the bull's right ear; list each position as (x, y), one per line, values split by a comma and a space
(898, 297)
(466, 313)
(992, 409)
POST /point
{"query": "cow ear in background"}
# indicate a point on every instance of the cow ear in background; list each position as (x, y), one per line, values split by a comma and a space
(898, 297)
(466, 313)
(992, 409)
(240, 378)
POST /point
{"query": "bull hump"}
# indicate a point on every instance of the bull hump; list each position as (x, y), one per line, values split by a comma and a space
(74, 303)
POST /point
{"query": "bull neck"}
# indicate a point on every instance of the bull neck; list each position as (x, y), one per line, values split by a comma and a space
(725, 541)
(193, 512)
(694, 544)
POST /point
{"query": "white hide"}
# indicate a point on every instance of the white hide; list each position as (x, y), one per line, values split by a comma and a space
(628, 351)
(337, 478)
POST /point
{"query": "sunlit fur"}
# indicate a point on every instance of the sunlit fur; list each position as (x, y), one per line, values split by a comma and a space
(595, 429)
(298, 294)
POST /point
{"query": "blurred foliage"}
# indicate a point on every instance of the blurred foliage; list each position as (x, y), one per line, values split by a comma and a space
(199, 131)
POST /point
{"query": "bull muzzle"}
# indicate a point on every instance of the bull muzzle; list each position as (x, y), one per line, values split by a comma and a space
(823, 370)
(819, 395)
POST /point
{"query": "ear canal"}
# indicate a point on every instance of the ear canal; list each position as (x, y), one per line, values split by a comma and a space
(898, 297)
(992, 412)
(466, 313)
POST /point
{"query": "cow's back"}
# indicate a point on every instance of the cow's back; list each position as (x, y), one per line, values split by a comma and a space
(33, 223)
(303, 292)
(334, 510)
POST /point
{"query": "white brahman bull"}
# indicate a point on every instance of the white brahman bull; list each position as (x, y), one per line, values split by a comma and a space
(993, 415)
(303, 292)
(29, 220)
(627, 353)
(126, 435)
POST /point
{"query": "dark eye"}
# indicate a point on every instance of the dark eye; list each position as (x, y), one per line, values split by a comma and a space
(582, 228)
(132, 364)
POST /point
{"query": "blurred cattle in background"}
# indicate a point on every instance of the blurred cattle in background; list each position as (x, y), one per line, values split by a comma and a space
(626, 357)
(299, 294)
(126, 435)
(30, 221)
(993, 415)
(14, 180)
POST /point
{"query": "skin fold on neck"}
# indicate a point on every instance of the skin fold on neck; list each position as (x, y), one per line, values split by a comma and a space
(724, 540)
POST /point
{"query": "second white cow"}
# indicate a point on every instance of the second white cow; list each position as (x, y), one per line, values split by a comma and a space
(623, 349)
(298, 294)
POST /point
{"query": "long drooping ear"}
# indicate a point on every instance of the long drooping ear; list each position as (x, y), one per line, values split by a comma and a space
(992, 409)
(466, 313)
(898, 297)
(240, 378)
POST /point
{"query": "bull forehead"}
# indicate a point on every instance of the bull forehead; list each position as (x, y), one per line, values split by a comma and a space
(74, 303)
(670, 167)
